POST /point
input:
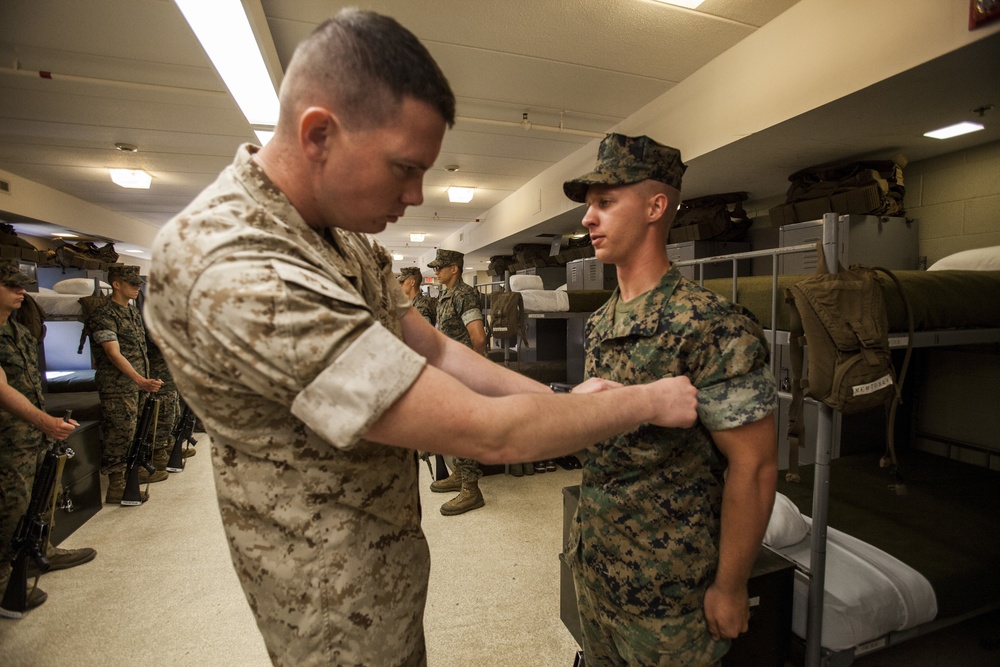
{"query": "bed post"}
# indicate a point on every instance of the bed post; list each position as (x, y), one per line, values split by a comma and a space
(821, 484)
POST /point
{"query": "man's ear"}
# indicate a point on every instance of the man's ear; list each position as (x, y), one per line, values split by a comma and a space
(657, 206)
(318, 128)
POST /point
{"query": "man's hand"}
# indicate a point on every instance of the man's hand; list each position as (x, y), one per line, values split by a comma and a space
(676, 401)
(150, 385)
(727, 614)
(595, 385)
(56, 428)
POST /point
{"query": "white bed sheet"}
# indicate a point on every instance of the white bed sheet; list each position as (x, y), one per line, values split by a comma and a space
(59, 305)
(868, 592)
(545, 301)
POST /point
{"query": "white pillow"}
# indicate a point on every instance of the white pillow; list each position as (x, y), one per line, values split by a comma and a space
(786, 527)
(520, 282)
(46, 290)
(978, 259)
(80, 286)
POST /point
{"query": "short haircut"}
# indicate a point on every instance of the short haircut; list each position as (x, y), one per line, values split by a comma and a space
(365, 64)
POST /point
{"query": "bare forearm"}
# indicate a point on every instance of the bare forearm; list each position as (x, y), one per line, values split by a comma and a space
(18, 405)
(746, 508)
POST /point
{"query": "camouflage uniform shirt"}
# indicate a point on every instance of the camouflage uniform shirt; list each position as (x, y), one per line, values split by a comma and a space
(457, 307)
(426, 306)
(115, 322)
(286, 341)
(648, 523)
(19, 360)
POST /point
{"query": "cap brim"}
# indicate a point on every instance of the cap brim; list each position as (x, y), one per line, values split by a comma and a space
(576, 189)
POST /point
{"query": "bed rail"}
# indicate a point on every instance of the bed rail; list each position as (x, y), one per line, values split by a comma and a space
(824, 429)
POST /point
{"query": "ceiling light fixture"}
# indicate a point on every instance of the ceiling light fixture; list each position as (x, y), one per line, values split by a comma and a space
(224, 31)
(459, 195)
(131, 178)
(417, 238)
(397, 257)
(956, 130)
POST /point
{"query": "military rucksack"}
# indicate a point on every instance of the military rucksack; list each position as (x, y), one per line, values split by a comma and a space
(842, 317)
(507, 318)
(32, 317)
(91, 307)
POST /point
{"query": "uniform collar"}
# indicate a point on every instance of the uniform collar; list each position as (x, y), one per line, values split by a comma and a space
(637, 323)
(337, 246)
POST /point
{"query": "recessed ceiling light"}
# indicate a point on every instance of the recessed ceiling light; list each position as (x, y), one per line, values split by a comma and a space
(460, 195)
(956, 130)
(131, 178)
(127, 148)
(397, 257)
(417, 238)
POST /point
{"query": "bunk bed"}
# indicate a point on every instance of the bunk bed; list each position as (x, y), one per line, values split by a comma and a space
(66, 364)
(875, 568)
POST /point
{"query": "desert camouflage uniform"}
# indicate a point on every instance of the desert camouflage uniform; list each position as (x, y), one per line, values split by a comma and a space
(20, 442)
(121, 399)
(426, 306)
(456, 307)
(646, 534)
(286, 341)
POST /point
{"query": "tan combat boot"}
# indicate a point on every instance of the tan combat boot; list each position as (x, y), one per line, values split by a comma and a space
(449, 484)
(469, 499)
(161, 458)
(157, 476)
(116, 488)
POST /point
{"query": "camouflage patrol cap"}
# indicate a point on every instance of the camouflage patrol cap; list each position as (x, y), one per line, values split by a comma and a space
(625, 160)
(446, 258)
(409, 271)
(125, 273)
(11, 274)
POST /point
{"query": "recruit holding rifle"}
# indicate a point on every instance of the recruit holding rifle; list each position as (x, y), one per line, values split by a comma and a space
(31, 538)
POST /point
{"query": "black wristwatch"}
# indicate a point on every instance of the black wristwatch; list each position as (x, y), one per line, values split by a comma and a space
(561, 387)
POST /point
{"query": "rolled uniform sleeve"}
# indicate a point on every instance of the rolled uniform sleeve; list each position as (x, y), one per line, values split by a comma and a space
(735, 386)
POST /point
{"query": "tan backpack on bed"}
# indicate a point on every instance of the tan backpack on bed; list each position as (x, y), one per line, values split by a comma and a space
(842, 316)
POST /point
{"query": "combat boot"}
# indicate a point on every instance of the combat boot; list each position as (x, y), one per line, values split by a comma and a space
(469, 499)
(116, 489)
(449, 484)
(157, 476)
(161, 458)
(61, 559)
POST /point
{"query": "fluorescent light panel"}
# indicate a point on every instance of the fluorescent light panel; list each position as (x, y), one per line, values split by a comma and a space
(131, 178)
(417, 238)
(955, 130)
(224, 32)
(458, 195)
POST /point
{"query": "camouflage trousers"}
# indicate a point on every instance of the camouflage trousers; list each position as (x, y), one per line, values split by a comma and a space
(17, 474)
(119, 414)
(170, 412)
(468, 470)
(615, 638)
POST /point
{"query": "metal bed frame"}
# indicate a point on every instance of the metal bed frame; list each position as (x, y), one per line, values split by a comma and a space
(824, 447)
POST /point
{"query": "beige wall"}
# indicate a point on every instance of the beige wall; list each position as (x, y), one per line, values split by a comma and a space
(955, 200)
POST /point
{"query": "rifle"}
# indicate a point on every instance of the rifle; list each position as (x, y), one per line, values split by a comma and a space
(31, 538)
(140, 452)
(183, 431)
